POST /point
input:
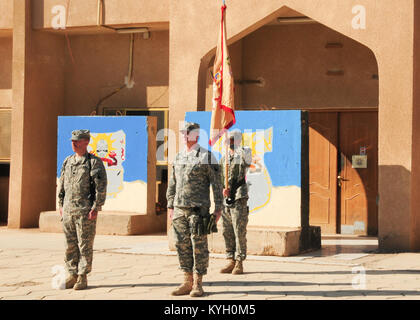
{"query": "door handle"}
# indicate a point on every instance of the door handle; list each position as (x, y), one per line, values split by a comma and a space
(340, 179)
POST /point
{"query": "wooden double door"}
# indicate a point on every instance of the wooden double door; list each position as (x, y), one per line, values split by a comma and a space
(343, 172)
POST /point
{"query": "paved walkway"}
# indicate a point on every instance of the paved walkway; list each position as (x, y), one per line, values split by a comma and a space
(142, 267)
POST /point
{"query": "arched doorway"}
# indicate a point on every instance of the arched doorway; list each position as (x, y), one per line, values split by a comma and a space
(294, 62)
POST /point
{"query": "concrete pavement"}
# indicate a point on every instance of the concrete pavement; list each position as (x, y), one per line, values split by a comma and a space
(142, 267)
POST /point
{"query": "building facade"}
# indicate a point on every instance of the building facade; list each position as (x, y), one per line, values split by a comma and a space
(352, 64)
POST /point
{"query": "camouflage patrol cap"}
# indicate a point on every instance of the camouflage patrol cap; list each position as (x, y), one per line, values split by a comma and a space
(235, 134)
(80, 134)
(190, 126)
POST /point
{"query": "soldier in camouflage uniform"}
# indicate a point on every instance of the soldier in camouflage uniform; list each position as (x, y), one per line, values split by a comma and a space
(82, 192)
(235, 213)
(193, 170)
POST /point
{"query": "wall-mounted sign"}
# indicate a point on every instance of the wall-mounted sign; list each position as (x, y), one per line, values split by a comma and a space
(359, 161)
(363, 151)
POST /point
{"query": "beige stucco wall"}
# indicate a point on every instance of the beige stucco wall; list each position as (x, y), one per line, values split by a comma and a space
(282, 209)
(415, 218)
(101, 64)
(38, 90)
(83, 13)
(293, 61)
(251, 16)
(41, 88)
(235, 52)
(395, 63)
(6, 14)
(44, 84)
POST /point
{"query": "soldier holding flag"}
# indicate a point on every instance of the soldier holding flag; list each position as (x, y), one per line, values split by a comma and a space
(235, 214)
(236, 161)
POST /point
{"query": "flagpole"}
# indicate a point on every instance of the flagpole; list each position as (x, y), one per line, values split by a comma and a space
(226, 160)
(226, 133)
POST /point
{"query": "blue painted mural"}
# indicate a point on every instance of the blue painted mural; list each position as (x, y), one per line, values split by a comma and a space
(275, 140)
(121, 143)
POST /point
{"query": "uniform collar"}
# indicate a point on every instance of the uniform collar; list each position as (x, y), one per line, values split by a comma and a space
(194, 150)
(84, 158)
(236, 151)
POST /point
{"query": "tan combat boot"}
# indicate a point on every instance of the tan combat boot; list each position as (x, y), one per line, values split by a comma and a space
(186, 287)
(239, 268)
(197, 290)
(71, 281)
(229, 267)
(81, 282)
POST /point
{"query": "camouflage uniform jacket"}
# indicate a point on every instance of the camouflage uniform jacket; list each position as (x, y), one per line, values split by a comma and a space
(192, 174)
(74, 184)
(239, 162)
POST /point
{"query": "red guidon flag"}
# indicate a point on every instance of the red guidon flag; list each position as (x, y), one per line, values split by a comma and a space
(222, 115)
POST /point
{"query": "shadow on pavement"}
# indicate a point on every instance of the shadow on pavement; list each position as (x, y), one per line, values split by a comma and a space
(328, 250)
(269, 283)
(368, 272)
(221, 284)
(134, 285)
(329, 293)
(333, 294)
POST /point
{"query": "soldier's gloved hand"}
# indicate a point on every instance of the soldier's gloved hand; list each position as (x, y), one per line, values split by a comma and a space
(218, 214)
(92, 214)
(226, 192)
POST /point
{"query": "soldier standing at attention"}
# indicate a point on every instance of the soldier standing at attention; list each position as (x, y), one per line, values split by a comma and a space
(193, 170)
(235, 213)
(82, 192)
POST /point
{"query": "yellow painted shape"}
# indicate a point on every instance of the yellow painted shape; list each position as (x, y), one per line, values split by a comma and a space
(102, 136)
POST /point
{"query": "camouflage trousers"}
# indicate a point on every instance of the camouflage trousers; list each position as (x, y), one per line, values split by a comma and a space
(79, 232)
(235, 220)
(192, 249)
